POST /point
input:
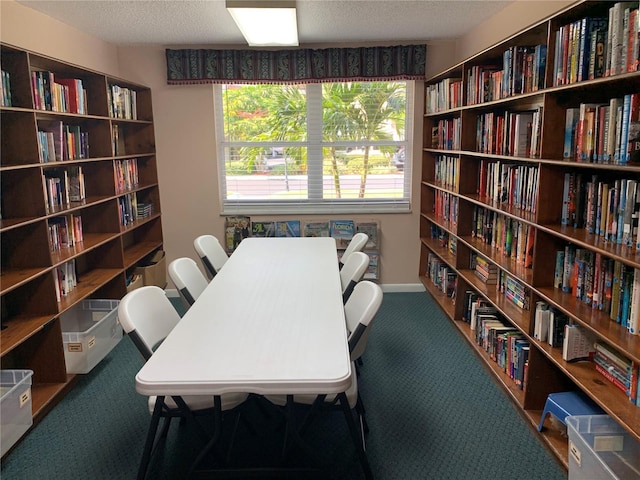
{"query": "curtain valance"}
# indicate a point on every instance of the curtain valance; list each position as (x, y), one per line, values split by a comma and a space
(197, 66)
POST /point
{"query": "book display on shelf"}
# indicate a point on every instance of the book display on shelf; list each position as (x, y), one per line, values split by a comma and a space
(263, 229)
(62, 203)
(316, 229)
(236, 229)
(552, 216)
(287, 228)
(342, 231)
(372, 230)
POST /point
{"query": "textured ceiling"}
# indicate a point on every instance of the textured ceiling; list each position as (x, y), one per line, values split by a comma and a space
(183, 22)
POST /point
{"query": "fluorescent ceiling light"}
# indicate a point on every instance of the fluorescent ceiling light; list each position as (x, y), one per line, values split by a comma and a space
(267, 22)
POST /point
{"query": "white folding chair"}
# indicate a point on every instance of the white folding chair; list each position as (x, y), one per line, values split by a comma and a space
(212, 254)
(353, 272)
(357, 243)
(360, 311)
(188, 278)
(147, 316)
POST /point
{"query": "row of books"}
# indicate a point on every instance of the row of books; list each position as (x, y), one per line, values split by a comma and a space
(122, 102)
(444, 95)
(502, 342)
(618, 370)
(608, 209)
(510, 133)
(604, 132)
(509, 183)
(447, 171)
(58, 141)
(600, 282)
(445, 206)
(65, 278)
(63, 186)
(548, 324)
(445, 240)
(442, 275)
(125, 174)
(508, 237)
(447, 134)
(5, 89)
(64, 232)
(128, 208)
(521, 71)
(595, 47)
(58, 94)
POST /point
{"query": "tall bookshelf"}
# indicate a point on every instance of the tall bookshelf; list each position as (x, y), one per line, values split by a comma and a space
(114, 126)
(455, 158)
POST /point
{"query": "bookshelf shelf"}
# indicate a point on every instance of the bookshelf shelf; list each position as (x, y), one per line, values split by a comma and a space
(477, 180)
(61, 208)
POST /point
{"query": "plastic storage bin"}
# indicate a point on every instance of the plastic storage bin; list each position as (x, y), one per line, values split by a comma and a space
(601, 449)
(90, 330)
(15, 406)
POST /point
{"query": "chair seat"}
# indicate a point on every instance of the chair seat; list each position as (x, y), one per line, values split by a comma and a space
(308, 399)
(203, 402)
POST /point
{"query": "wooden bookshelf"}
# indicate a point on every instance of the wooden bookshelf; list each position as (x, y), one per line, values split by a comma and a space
(110, 249)
(547, 371)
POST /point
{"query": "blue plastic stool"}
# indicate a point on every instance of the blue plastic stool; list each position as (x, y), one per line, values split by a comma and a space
(564, 404)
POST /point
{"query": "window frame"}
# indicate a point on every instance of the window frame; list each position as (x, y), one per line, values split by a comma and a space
(314, 204)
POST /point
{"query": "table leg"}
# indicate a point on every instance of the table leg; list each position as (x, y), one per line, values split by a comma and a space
(217, 432)
(151, 436)
(344, 403)
(292, 431)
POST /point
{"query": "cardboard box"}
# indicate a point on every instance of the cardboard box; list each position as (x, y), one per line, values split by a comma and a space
(138, 281)
(156, 272)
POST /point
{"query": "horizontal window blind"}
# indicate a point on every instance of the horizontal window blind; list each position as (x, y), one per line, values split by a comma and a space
(315, 148)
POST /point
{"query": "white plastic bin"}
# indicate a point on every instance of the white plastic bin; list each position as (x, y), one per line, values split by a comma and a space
(15, 406)
(601, 449)
(90, 330)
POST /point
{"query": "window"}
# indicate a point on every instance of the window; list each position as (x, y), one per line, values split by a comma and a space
(317, 148)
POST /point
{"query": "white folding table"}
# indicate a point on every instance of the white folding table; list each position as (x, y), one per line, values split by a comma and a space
(270, 322)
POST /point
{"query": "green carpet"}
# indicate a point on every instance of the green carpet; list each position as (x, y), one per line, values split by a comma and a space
(433, 411)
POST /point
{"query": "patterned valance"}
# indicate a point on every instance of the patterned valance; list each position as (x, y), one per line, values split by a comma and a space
(197, 66)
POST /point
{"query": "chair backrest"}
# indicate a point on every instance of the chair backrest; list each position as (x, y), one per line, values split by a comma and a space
(147, 316)
(357, 243)
(352, 272)
(212, 254)
(188, 278)
(359, 311)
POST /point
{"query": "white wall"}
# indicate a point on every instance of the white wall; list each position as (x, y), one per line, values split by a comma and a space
(31, 30)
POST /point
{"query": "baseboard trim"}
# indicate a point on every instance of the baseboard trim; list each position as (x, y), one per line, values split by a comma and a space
(403, 287)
